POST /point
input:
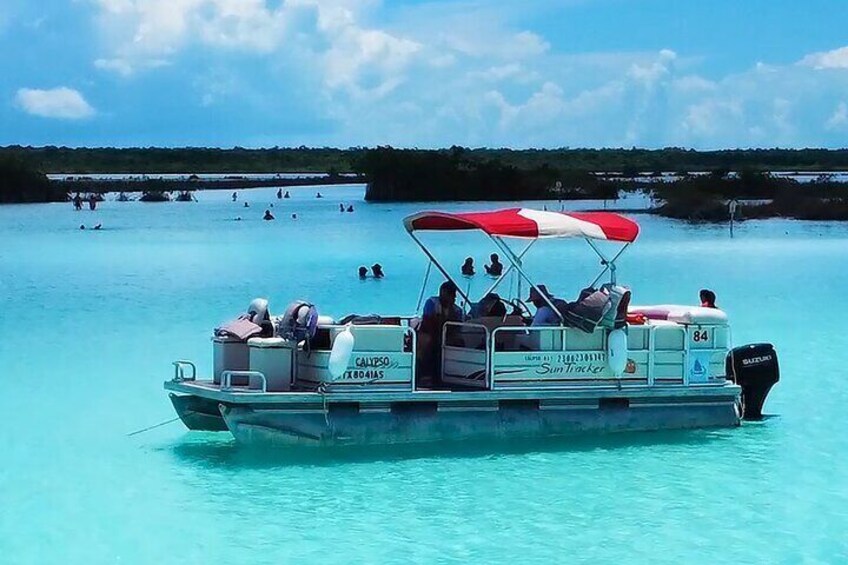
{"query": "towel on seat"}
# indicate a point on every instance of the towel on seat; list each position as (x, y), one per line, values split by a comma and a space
(240, 328)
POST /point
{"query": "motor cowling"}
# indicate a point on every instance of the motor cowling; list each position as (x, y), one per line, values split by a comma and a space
(755, 368)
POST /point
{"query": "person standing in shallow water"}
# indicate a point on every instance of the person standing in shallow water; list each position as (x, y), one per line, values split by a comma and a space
(496, 268)
(363, 273)
(279, 194)
(468, 267)
(268, 215)
(92, 202)
(235, 196)
(377, 271)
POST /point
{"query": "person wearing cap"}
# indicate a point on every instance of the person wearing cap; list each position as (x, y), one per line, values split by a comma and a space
(545, 315)
(438, 310)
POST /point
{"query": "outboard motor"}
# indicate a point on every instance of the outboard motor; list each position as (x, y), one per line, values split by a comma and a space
(753, 367)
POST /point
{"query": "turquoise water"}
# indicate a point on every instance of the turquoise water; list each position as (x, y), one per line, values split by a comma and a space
(90, 322)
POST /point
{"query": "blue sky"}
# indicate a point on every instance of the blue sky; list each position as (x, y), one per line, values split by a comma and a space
(514, 73)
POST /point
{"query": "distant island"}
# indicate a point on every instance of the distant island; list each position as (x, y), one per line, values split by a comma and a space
(699, 189)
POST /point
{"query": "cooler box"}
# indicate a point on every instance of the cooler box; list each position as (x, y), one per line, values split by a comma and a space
(274, 358)
(229, 354)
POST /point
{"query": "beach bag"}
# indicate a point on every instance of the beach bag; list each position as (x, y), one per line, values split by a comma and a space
(299, 323)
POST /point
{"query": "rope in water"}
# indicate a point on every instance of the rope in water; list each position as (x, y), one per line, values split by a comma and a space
(159, 425)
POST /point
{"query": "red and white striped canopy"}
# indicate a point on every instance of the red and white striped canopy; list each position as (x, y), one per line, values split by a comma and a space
(528, 223)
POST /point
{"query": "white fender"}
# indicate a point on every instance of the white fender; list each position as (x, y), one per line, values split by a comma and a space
(340, 354)
(617, 351)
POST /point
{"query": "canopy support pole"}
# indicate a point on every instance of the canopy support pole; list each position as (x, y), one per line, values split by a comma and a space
(424, 285)
(439, 267)
(609, 264)
(516, 262)
(509, 268)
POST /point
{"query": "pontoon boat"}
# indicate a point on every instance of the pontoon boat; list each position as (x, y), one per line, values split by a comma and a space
(607, 366)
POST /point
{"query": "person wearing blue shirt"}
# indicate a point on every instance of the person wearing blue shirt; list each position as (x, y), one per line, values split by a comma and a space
(437, 311)
(545, 315)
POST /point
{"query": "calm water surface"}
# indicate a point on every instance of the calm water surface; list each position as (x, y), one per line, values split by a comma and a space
(91, 320)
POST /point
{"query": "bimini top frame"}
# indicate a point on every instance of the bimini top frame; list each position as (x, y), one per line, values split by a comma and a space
(529, 224)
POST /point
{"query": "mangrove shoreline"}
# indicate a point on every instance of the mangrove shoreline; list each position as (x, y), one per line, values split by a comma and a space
(455, 174)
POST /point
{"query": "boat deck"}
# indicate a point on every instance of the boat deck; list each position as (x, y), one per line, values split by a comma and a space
(721, 391)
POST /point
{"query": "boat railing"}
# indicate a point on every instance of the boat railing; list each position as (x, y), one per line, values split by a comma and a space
(383, 357)
(509, 356)
(452, 333)
(227, 379)
(179, 370)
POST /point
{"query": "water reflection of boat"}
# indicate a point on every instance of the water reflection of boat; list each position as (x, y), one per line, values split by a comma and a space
(603, 368)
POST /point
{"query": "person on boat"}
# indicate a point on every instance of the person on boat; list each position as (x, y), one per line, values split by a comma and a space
(708, 298)
(279, 193)
(438, 310)
(496, 268)
(377, 271)
(468, 267)
(286, 195)
(235, 196)
(268, 216)
(363, 272)
(489, 306)
(545, 315)
(350, 208)
(78, 202)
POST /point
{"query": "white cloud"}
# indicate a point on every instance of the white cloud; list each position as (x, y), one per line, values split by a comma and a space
(836, 59)
(437, 73)
(125, 67)
(655, 71)
(142, 33)
(708, 117)
(693, 84)
(839, 118)
(63, 103)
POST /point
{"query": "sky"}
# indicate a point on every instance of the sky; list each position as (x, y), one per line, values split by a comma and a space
(424, 73)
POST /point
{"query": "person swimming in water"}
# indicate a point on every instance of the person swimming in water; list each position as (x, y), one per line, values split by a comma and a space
(468, 267)
(268, 215)
(286, 195)
(246, 205)
(350, 208)
(363, 272)
(496, 268)
(294, 216)
(98, 226)
(318, 195)
(377, 271)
